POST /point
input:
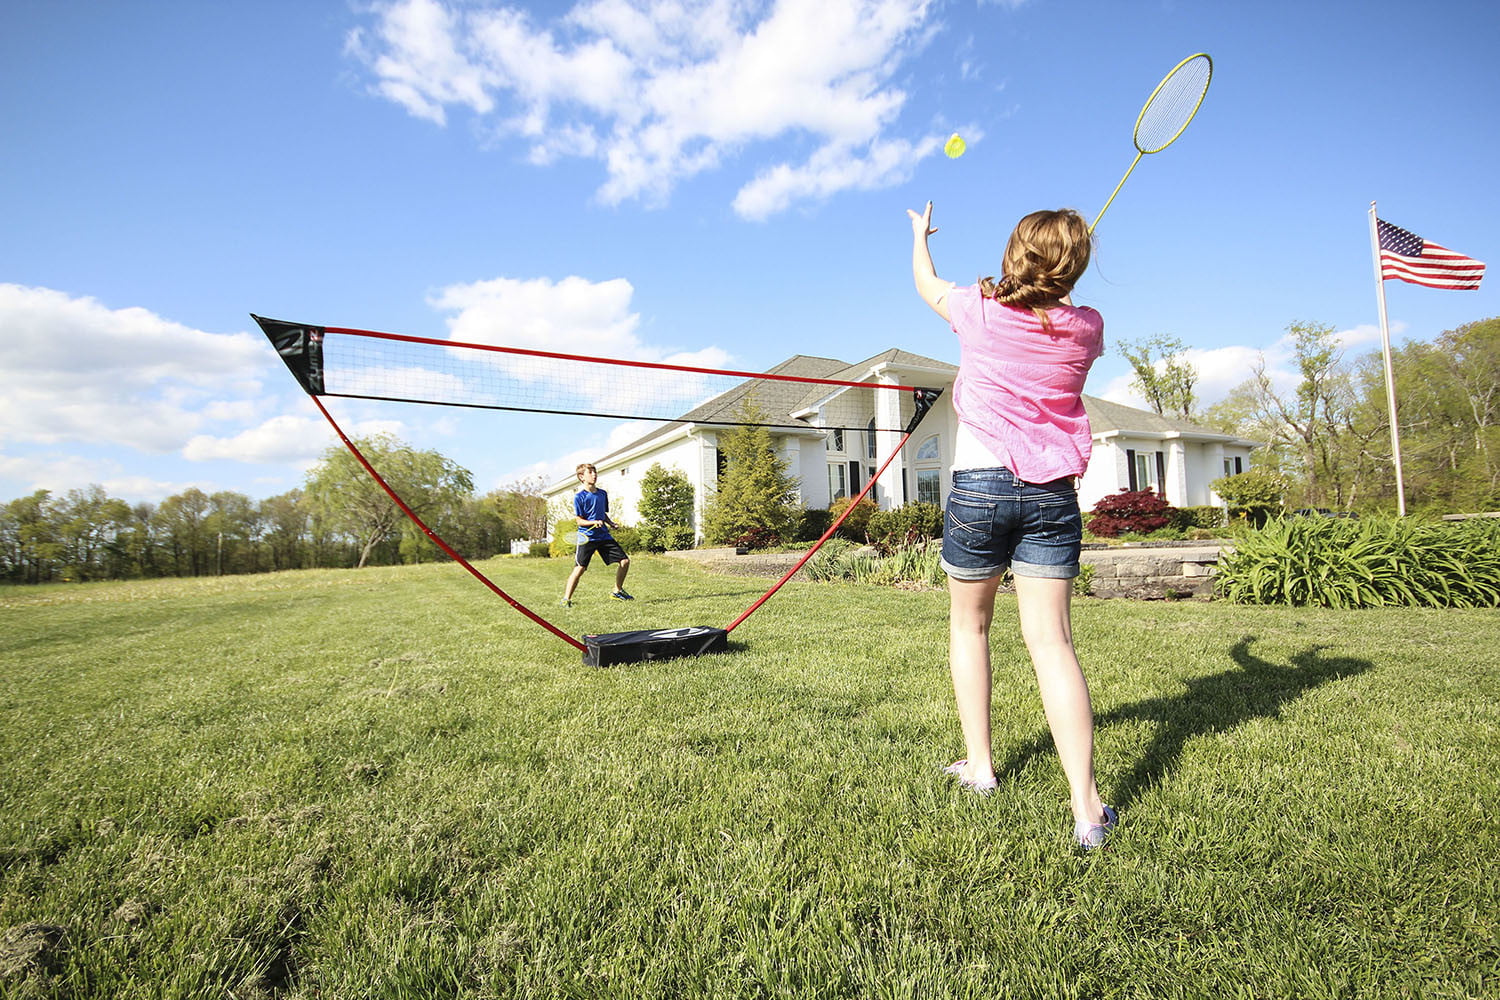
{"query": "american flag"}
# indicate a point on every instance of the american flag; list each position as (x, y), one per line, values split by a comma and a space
(1410, 258)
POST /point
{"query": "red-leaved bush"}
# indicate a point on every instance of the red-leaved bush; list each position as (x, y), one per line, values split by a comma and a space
(1138, 512)
(758, 538)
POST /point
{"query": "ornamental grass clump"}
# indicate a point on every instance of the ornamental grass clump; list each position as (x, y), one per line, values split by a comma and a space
(1379, 562)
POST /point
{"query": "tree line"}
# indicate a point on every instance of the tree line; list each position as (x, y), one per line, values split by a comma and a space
(1327, 438)
(339, 518)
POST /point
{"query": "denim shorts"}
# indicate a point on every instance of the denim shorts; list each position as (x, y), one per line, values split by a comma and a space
(994, 521)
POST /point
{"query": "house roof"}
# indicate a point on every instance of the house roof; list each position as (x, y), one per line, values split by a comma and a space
(774, 397)
(1108, 418)
(783, 399)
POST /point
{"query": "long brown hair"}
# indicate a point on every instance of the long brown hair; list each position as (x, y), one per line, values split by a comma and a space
(1046, 255)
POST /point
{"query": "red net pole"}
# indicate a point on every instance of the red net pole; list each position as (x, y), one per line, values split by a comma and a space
(565, 637)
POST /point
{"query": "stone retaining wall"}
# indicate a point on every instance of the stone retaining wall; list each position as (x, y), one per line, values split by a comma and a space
(1154, 572)
(1136, 570)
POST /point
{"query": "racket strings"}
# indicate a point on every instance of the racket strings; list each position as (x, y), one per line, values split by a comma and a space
(1173, 105)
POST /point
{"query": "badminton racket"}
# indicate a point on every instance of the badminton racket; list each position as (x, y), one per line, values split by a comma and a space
(1166, 113)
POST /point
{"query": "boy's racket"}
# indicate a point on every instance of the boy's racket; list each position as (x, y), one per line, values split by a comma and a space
(1167, 112)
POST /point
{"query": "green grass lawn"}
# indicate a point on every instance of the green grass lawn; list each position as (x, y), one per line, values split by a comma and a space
(387, 783)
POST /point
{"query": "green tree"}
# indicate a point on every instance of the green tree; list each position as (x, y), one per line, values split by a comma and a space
(138, 545)
(523, 508)
(346, 499)
(1163, 374)
(28, 533)
(284, 519)
(231, 526)
(756, 493)
(87, 523)
(1314, 436)
(666, 509)
(179, 522)
(1448, 399)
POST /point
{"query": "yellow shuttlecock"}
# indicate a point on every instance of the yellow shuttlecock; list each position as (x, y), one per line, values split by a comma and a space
(955, 146)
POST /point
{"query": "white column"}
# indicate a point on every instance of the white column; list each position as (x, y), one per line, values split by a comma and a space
(1176, 485)
(888, 414)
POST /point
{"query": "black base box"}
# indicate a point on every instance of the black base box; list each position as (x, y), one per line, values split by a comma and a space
(609, 648)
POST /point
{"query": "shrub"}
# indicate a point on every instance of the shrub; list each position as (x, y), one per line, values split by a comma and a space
(856, 524)
(840, 559)
(671, 538)
(1137, 512)
(665, 510)
(1337, 563)
(1189, 518)
(756, 490)
(757, 538)
(829, 562)
(1254, 495)
(564, 541)
(811, 523)
(908, 524)
(628, 537)
(541, 549)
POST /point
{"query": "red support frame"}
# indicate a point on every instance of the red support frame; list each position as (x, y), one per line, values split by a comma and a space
(436, 540)
(301, 336)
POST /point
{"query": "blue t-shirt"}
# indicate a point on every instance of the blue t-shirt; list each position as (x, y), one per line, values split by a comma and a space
(592, 507)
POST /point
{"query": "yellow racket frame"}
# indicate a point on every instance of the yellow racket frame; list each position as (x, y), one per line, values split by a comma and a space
(1135, 137)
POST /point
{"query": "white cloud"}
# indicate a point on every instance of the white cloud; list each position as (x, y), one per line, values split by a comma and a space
(290, 440)
(561, 468)
(60, 473)
(579, 317)
(828, 171)
(72, 369)
(661, 90)
(422, 69)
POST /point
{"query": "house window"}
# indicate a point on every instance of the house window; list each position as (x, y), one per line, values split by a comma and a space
(1146, 468)
(929, 486)
(929, 471)
(1234, 466)
(870, 439)
(836, 442)
(838, 485)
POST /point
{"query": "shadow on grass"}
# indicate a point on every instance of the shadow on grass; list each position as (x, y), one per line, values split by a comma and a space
(1254, 688)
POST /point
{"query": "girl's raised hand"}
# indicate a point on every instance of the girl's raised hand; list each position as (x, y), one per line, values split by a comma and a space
(921, 225)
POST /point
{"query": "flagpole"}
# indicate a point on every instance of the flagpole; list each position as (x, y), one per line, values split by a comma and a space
(1390, 375)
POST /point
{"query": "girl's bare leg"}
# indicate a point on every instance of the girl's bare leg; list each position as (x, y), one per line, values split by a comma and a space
(1046, 625)
(971, 609)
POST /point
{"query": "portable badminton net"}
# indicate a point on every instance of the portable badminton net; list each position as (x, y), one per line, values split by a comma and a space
(330, 361)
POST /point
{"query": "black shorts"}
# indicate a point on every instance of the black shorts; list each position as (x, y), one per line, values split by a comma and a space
(609, 550)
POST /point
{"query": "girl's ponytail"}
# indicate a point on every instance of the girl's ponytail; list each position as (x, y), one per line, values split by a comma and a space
(1046, 255)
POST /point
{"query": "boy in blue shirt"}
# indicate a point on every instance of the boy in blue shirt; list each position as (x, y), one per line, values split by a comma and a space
(591, 511)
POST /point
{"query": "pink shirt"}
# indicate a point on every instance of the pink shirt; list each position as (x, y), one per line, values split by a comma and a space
(1019, 387)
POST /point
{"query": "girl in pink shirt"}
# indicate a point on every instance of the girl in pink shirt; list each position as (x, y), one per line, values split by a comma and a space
(1024, 353)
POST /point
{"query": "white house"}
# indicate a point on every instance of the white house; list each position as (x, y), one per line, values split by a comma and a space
(1133, 449)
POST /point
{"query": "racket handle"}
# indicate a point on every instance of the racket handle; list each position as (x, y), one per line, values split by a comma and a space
(1113, 193)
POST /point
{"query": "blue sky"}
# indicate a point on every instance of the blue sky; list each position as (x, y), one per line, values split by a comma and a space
(719, 180)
